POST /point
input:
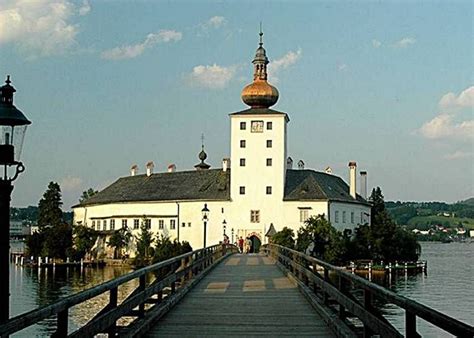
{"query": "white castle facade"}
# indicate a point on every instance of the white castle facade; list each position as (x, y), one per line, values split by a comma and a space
(255, 190)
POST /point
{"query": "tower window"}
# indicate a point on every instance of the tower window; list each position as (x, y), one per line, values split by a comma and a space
(242, 126)
(254, 216)
(336, 216)
(269, 125)
(269, 162)
(242, 143)
(303, 215)
(242, 162)
(269, 143)
(242, 190)
(269, 190)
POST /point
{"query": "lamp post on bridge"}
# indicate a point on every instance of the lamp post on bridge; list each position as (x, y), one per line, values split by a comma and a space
(232, 231)
(224, 224)
(13, 125)
(205, 218)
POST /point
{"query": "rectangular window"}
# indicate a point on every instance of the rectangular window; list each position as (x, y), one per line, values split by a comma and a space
(183, 225)
(336, 216)
(269, 143)
(242, 162)
(189, 224)
(93, 224)
(104, 224)
(161, 224)
(303, 215)
(242, 126)
(343, 217)
(124, 223)
(269, 125)
(242, 190)
(172, 224)
(362, 217)
(148, 223)
(269, 162)
(136, 223)
(254, 216)
(269, 190)
(352, 217)
(112, 224)
(242, 143)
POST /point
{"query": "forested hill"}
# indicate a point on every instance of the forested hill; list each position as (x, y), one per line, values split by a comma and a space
(424, 214)
(29, 215)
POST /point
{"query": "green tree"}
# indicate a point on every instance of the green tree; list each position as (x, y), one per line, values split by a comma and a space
(34, 244)
(144, 241)
(84, 239)
(166, 249)
(58, 241)
(285, 237)
(87, 194)
(119, 240)
(49, 207)
(319, 239)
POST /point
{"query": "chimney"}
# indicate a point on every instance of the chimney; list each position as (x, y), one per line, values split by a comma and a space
(149, 168)
(352, 179)
(225, 164)
(328, 170)
(363, 184)
(172, 168)
(300, 164)
(133, 170)
(289, 163)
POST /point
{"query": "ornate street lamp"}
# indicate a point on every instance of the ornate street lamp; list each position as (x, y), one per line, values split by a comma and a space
(224, 224)
(205, 218)
(12, 132)
(232, 230)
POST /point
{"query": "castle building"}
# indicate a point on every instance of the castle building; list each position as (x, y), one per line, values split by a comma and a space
(256, 191)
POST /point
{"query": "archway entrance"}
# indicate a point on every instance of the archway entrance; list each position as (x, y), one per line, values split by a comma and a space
(256, 243)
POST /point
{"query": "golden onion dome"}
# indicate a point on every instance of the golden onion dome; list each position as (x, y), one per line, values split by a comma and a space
(260, 94)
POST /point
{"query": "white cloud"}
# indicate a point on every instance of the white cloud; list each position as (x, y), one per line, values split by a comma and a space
(213, 77)
(405, 42)
(215, 22)
(342, 67)
(85, 8)
(131, 51)
(376, 43)
(41, 27)
(282, 63)
(449, 125)
(458, 154)
(70, 183)
(450, 101)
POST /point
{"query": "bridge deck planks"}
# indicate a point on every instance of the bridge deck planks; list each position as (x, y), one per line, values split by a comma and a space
(247, 295)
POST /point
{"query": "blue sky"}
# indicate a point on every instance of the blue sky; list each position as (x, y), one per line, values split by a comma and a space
(108, 84)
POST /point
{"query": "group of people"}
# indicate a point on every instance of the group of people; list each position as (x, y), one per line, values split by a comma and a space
(245, 246)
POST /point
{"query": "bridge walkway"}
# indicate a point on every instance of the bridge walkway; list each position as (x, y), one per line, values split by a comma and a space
(246, 295)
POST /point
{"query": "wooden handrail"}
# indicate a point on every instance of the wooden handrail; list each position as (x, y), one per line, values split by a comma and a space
(303, 267)
(186, 267)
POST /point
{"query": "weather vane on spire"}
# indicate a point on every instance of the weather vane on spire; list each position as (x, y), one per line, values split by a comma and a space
(202, 140)
(261, 35)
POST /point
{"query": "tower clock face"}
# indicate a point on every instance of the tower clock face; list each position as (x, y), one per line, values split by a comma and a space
(257, 127)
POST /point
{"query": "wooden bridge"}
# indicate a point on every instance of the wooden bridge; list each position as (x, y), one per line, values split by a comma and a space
(217, 292)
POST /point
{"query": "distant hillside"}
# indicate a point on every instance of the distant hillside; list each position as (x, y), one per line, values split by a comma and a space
(422, 214)
(30, 215)
(469, 201)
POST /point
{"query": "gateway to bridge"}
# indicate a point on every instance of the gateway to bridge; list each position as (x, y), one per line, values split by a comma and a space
(257, 191)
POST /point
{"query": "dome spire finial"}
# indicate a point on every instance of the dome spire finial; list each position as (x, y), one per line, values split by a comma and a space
(260, 94)
(202, 156)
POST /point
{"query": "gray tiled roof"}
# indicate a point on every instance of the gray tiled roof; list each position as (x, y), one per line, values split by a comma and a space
(303, 184)
(212, 184)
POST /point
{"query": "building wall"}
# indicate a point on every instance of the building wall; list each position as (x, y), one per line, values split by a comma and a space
(341, 215)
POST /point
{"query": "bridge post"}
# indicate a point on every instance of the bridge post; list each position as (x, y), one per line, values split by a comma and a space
(141, 287)
(326, 279)
(62, 323)
(410, 325)
(368, 306)
(113, 298)
(342, 289)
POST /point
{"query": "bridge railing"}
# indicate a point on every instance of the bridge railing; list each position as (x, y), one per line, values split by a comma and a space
(160, 287)
(350, 296)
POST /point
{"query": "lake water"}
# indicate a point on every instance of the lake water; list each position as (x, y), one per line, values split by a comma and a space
(447, 287)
